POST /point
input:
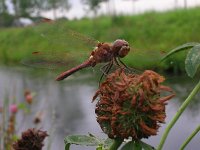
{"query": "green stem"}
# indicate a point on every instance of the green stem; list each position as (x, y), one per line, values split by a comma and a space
(178, 114)
(116, 144)
(190, 138)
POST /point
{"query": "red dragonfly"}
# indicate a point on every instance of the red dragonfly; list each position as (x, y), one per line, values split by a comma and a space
(59, 35)
(102, 53)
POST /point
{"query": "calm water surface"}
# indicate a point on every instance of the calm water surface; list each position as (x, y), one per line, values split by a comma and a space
(67, 109)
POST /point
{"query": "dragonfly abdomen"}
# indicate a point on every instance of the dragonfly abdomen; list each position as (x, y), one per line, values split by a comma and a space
(73, 70)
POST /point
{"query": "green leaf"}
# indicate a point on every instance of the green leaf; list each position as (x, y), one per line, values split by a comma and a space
(146, 146)
(137, 145)
(108, 142)
(82, 140)
(192, 61)
(67, 146)
(15, 137)
(99, 147)
(132, 145)
(180, 48)
(22, 106)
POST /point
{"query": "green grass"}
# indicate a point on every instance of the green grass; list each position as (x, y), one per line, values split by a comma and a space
(148, 33)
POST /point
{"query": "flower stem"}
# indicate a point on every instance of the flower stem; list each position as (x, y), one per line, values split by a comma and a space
(116, 144)
(190, 138)
(178, 114)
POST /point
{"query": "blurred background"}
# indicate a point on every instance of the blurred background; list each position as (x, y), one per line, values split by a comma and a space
(21, 11)
(152, 28)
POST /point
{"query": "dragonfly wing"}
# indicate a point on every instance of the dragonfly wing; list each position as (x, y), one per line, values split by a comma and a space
(57, 46)
(143, 59)
(52, 60)
(62, 35)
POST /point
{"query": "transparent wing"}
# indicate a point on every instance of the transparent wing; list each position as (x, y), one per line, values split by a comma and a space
(60, 34)
(62, 48)
(143, 59)
(55, 45)
(53, 60)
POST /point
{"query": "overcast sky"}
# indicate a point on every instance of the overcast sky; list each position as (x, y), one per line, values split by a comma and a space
(122, 6)
(127, 7)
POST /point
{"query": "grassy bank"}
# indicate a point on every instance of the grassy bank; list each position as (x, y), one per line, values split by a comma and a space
(149, 33)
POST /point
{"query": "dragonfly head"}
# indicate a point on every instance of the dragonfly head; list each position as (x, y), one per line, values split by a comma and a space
(121, 48)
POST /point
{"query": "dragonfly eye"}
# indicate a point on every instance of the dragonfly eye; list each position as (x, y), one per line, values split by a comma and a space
(121, 48)
(123, 51)
(126, 44)
(119, 43)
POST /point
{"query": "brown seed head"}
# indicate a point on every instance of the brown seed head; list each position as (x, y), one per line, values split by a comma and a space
(32, 139)
(130, 105)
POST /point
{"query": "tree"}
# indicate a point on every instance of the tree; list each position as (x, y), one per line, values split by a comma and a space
(94, 5)
(23, 8)
(38, 5)
(57, 4)
(3, 8)
(6, 19)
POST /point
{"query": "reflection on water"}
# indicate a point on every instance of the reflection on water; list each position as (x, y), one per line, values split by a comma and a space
(67, 109)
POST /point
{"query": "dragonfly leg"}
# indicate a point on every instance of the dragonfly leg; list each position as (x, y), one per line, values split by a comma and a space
(106, 70)
(123, 64)
(103, 68)
(120, 64)
(116, 62)
(129, 68)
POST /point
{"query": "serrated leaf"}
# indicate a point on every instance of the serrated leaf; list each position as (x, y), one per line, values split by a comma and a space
(192, 61)
(146, 146)
(180, 48)
(81, 140)
(132, 145)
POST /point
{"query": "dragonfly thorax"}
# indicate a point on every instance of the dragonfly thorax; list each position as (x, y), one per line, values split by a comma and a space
(102, 53)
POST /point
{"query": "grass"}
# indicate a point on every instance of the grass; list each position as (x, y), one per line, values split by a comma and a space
(149, 33)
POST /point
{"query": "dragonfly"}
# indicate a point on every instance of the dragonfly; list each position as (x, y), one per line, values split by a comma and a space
(103, 52)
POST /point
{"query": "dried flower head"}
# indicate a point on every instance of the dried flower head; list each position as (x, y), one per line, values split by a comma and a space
(28, 96)
(32, 139)
(131, 105)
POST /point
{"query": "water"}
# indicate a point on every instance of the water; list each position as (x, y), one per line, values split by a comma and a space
(67, 109)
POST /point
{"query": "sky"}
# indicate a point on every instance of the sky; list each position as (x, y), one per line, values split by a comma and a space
(119, 6)
(123, 7)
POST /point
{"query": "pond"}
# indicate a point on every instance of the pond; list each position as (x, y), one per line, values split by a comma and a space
(66, 106)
